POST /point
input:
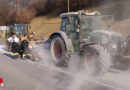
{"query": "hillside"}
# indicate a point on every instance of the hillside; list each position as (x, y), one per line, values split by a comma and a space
(44, 26)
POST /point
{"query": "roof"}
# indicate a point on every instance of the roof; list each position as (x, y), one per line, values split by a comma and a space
(68, 14)
(76, 13)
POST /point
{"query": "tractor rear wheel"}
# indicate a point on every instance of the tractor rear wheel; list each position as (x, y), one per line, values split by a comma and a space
(58, 51)
(96, 59)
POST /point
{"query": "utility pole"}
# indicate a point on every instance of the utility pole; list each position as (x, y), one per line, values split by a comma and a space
(18, 8)
(68, 5)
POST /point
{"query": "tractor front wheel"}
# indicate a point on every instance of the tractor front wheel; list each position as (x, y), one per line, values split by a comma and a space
(58, 51)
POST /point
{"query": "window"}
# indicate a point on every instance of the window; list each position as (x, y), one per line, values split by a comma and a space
(63, 23)
(69, 23)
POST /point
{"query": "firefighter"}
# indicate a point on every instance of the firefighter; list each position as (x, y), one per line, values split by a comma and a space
(31, 39)
(32, 36)
(25, 48)
(14, 42)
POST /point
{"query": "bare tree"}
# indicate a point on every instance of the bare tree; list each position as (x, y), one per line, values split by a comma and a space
(4, 10)
(25, 16)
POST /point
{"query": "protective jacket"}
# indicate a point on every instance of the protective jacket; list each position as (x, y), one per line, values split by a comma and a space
(14, 41)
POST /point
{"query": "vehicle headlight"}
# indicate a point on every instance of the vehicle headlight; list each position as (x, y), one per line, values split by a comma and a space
(114, 46)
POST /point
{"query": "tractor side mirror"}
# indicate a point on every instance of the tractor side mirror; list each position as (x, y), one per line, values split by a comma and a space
(29, 27)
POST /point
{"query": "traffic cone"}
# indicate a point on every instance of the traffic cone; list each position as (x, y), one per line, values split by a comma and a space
(1, 83)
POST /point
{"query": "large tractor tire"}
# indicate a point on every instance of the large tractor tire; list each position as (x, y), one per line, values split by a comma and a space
(58, 51)
(96, 59)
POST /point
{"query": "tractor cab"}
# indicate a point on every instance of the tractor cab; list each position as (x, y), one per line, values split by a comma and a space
(79, 25)
(19, 29)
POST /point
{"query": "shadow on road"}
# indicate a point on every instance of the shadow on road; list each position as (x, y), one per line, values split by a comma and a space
(9, 55)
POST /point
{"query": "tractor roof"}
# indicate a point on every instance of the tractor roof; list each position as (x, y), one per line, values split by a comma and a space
(76, 13)
(68, 14)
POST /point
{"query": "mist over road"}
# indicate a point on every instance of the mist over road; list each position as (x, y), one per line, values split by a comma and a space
(27, 75)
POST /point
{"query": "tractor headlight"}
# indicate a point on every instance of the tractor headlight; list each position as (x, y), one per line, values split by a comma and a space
(114, 46)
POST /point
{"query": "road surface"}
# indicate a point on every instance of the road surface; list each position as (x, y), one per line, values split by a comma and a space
(27, 75)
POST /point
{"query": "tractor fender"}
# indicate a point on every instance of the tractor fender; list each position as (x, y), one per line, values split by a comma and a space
(88, 44)
(67, 41)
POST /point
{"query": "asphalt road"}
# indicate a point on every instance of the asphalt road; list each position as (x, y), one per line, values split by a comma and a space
(28, 75)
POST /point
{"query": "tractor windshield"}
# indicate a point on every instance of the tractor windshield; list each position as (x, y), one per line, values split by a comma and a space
(19, 28)
(88, 23)
(96, 22)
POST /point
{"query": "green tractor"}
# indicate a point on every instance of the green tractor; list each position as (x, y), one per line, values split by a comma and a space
(84, 33)
(19, 29)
